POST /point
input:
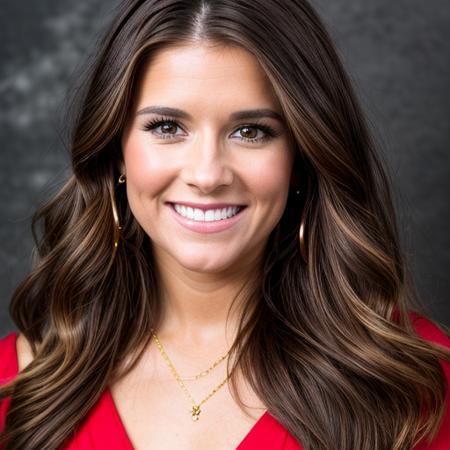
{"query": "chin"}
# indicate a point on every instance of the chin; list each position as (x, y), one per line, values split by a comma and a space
(205, 263)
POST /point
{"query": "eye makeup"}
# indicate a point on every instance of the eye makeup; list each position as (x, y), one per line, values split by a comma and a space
(153, 124)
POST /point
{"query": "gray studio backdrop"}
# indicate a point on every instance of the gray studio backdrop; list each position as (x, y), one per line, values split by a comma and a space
(398, 54)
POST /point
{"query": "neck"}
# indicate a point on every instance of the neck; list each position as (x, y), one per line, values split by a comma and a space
(202, 308)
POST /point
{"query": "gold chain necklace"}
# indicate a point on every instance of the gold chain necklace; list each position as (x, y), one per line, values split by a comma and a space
(195, 411)
(207, 371)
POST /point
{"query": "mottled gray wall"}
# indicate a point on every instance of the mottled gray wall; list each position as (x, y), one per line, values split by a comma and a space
(398, 54)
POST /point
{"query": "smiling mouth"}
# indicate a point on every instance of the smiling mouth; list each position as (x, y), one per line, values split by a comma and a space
(206, 215)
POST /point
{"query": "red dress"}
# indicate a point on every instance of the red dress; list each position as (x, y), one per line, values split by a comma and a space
(103, 429)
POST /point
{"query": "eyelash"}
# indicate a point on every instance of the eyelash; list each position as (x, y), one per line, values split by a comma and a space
(270, 132)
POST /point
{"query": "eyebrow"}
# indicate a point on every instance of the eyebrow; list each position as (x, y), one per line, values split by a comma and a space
(238, 115)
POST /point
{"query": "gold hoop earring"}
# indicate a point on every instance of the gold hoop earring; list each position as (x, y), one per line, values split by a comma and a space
(302, 233)
(117, 226)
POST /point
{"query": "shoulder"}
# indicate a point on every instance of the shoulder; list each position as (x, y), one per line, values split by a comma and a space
(8, 357)
(15, 354)
(7, 342)
(430, 330)
(24, 352)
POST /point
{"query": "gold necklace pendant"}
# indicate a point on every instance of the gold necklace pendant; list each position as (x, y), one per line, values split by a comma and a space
(195, 412)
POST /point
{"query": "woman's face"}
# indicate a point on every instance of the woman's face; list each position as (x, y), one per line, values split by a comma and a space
(207, 152)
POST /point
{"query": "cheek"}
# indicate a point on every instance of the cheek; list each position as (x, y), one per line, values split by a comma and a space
(146, 171)
(270, 185)
(271, 175)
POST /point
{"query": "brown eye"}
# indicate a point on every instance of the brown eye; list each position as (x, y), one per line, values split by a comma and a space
(249, 132)
(162, 128)
(168, 128)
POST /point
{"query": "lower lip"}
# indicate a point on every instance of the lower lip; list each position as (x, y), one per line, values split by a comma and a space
(206, 227)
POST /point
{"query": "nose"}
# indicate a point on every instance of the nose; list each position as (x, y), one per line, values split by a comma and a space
(207, 164)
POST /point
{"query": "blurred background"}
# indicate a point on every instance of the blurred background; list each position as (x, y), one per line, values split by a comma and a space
(397, 53)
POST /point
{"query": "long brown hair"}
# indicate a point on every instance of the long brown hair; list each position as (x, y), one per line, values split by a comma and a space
(319, 344)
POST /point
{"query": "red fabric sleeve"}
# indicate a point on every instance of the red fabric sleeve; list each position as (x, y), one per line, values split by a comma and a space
(8, 369)
(430, 332)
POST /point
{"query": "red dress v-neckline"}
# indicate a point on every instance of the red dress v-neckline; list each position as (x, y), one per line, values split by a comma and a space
(265, 426)
(103, 427)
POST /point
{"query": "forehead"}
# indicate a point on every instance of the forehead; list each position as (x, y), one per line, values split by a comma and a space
(205, 75)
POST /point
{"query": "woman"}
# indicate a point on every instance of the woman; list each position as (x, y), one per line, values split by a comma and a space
(223, 268)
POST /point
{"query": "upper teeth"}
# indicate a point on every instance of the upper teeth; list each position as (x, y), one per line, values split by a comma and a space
(207, 215)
